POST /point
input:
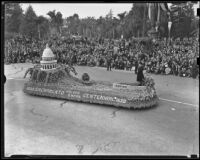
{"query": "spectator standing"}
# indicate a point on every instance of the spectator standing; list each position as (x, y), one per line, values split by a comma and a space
(109, 60)
(136, 65)
(140, 75)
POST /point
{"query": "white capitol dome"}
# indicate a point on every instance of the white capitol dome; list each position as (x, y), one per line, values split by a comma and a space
(48, 59)
(47, 52)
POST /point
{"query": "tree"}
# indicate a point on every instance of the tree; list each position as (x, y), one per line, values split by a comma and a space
(43, 27)
(13, 15)
(134, 20)
(144, 20)
(163, 26)
(56, 20)
(29, 23)
(195, 27)
(100, 26)
(59, 21)
(182, 18)
(110, 14)
(122, 22)
(109, 24)
(115, 23)
(139, 10)
(121, 17)
(73, 23)
(91, 25)
(39, 21)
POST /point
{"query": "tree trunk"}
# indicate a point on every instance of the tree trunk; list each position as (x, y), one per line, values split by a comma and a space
(39, 31)
(144, 21)
(138, 33)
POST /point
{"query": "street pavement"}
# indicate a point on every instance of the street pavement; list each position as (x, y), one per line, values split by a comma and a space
(46, 126)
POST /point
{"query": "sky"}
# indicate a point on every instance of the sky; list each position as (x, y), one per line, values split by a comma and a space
(82, 9)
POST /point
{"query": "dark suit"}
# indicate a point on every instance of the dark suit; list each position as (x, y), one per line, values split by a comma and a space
(140, 75)
(109, 63)
(136, 66)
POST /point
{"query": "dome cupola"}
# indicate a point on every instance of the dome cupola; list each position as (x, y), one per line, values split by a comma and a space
(49, 61)
(48, 54)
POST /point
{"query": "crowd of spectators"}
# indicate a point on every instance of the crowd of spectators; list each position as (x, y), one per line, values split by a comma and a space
(177, 58)
(21, 49)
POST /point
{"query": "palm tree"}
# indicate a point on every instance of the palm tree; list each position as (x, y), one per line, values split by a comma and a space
(59, 20)
(56, 20)
(122, 22)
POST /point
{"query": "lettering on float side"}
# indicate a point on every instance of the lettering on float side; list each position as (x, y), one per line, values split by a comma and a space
(77, 94)
(61, 92)
(104, 98)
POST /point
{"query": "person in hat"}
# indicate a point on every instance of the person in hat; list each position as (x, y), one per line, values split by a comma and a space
(140, 75)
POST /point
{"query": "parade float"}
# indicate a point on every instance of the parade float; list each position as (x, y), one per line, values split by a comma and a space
(53, 80)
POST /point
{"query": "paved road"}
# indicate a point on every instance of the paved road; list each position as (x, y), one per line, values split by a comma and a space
(37, 125)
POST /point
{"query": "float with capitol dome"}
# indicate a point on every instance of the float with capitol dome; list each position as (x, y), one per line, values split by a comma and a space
(54, 80)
